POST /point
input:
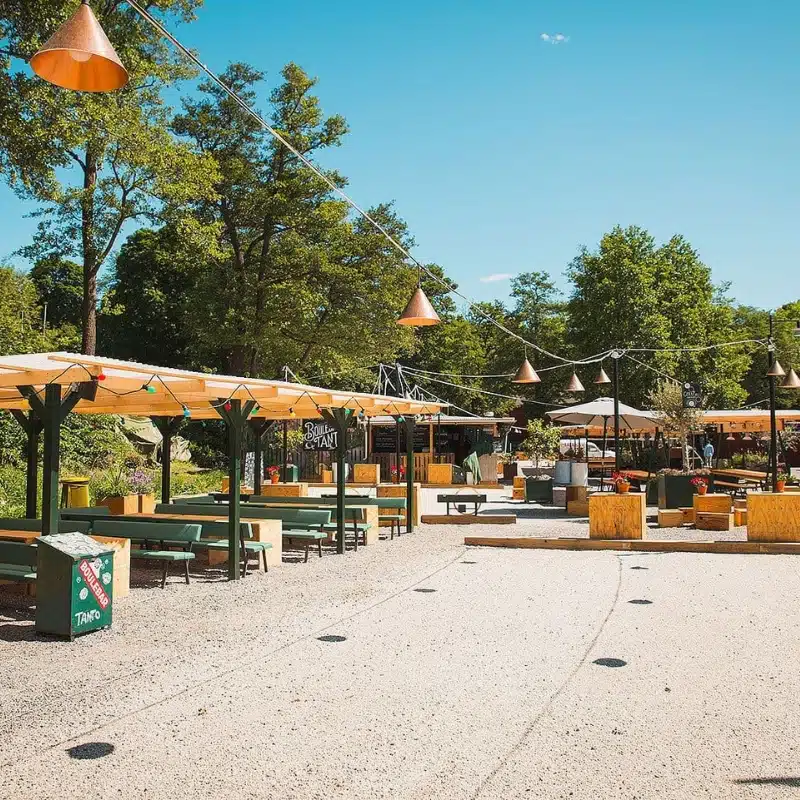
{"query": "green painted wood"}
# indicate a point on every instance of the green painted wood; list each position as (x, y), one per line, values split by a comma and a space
(32, 427)
(168, 427)
(411, 423)
(341, 419)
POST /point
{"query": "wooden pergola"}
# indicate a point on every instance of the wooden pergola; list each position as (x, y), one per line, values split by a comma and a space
(40, 389)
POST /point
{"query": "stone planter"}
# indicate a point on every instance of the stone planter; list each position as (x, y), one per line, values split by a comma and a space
(538, 490)
(652, 493)
(579, 474)
(675, 491)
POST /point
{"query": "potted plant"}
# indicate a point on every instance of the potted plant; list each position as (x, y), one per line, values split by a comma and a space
(542, 441)
(621, 481)
(112, 488)
(402, 474)
(274, 474)
(781, 479)
(141, 485)
(700, 484)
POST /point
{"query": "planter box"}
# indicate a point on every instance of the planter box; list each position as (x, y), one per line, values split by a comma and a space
(562, 473)
(538, 490)
(510, 471)
(712, 503)
(617, 516)
(675, 491)
(147, 503)
(284, 490)
(367, 473)
(652, 493)
(129, 504)
(773, 517)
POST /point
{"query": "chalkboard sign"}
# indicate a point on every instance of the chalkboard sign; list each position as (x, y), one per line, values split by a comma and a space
(319, 436)
(692, 396)
(384, 438)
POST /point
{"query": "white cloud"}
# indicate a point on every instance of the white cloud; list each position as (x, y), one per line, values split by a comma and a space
(497, 276)
(554, 38)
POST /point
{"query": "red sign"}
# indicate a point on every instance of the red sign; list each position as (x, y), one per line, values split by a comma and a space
(94, 585)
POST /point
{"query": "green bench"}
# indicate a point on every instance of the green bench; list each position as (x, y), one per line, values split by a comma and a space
(18, 562)
(165, 535)
(393, 519)
(35, 525)
(301, 524)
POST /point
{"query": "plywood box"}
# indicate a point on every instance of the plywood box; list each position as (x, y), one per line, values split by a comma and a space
(518, 494)
(617, 516)
(579, 493)
(688, 515)
(739, 517)
(714, 503)
(440, 474)
(122, 564)
(519, 482)
(773, 517)
(399, 490)
(226, 484)
(713, 521)
(670, 518)
(367, 473)
(578, 508)
(284, 490)
(326, 475)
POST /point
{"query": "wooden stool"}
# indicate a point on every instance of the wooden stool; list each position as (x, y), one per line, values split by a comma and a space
(670, 518)
(713, 521)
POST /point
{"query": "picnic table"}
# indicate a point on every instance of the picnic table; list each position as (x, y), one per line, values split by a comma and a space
(740, 478)
(457, 499)
(26, 537)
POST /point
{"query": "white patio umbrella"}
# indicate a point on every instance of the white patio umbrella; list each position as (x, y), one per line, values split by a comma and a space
(599, 411)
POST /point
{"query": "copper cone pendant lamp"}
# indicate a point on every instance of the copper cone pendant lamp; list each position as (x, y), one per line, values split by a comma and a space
(602, 378)
(575, 384)
(526, 374)
(792, 381)
(419, 311)
(776, 370)
(79, 56)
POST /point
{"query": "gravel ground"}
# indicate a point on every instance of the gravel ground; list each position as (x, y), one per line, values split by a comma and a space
(343, 678)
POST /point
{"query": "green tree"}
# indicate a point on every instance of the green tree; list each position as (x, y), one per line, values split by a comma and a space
(94, 161)
(59, 283)
(666, 400)
(542, 440)
(20, 315)
(294, 280)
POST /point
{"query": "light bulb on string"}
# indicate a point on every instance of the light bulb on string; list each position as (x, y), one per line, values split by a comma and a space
(149, 389)
(101, 377)
(228, 405)
(186, 413)
(292, 413)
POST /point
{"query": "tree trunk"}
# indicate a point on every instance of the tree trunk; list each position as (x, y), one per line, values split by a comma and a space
(90, 265)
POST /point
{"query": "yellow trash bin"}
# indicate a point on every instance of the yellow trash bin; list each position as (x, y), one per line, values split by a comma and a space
(75, 493)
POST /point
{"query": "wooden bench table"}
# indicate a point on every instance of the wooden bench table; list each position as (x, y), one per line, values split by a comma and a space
(773, 517)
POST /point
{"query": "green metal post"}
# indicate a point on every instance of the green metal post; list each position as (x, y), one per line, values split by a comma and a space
(341, 419)
(259, 427)
(168, 427)
(411, 423)
(32, 427)
(285, 449)
(235, 418)
(52, 455)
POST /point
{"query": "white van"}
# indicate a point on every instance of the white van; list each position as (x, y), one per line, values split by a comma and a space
(573, 444)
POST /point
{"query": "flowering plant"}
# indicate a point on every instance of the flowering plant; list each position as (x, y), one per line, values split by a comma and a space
(402, 472)
(620, 477)
(141, 482)
(273, 471)
(698, 481)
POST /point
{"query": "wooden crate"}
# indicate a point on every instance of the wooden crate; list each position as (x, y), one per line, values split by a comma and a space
(326, 475)
(367, 473)
(740, 504)
(518, 494)
(670, 518)
(122, 563)
(713, 521)
(713, 503)
(579, 493)
(617, 516)
(773, 517)
(399, 490)
(245, 488)
(519, 482)
(739, 516)
(688, 515)
(440, 474)
(578, 508)
(284, 490)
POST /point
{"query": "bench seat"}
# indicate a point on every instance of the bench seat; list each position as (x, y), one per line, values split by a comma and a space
(18, 562)
(162, 555)
(17, 572)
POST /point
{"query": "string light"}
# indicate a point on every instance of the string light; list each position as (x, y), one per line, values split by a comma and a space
(101, 377)
(291, 413)
(149, 389)
(186, 413)
(227, 405)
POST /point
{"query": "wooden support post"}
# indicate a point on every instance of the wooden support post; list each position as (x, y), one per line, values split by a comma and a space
(259, 428)
(411, 423)
(51, 414)
(32, 426)
(168, 427)
(341, 419)
(397, 449)
(284, 478)
(235, 417)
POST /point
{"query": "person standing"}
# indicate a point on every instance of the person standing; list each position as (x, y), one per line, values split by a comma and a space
(708, 453)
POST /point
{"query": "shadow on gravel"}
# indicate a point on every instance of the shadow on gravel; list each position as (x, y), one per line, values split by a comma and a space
(641, 602)
(425, 591)
(18, 633)
(331, 637)
(640, 567)
(91, 751)
(610, 662)
(791, 782)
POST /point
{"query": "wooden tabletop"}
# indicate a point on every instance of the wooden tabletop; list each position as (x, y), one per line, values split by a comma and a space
(26, 537)
(746, 474)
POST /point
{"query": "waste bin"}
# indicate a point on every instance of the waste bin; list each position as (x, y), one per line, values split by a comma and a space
(74, 585)
(292, 474)
(74, 492)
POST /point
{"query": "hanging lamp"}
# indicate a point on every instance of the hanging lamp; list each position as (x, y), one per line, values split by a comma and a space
(792, 380)
(526, 373)
(776, 370)
(602, 378)
(575, 384)
(419, 311)
(730, 438)
(79, 56)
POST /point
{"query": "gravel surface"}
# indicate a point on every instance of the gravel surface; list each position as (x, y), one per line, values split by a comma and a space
(348, 677)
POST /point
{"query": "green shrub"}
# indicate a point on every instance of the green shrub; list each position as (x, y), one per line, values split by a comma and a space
(12, 491)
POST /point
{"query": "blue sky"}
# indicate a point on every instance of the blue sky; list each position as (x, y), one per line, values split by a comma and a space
(505, 153)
